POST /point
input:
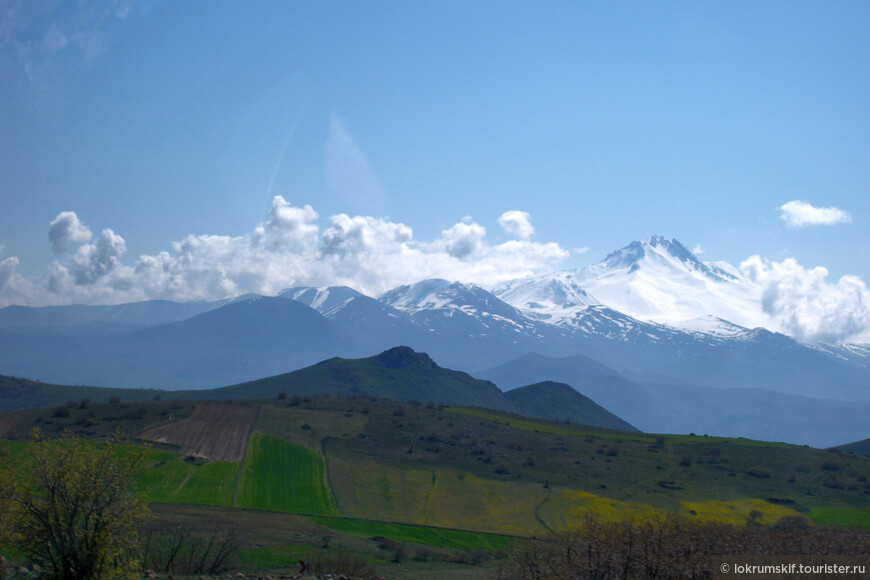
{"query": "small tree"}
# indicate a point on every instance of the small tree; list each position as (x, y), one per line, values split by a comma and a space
(71, 508)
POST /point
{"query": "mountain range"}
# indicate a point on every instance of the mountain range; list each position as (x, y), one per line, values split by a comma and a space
(657, 337)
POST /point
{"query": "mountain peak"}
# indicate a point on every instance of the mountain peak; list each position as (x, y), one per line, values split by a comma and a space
(631, 255)
(660, 250)
(401, 357)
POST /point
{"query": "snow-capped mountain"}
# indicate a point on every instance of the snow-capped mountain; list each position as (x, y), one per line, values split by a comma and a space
(553, 298)
(656, 280)
(430, 301)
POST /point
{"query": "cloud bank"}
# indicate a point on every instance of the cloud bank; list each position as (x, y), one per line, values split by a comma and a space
(290, 249)
(807, 306)
(799, 214)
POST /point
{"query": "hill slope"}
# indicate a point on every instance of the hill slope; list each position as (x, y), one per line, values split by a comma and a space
(549, 400)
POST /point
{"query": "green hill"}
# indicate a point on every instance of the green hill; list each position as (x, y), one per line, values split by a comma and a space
(858, 447)
(398, 373)
(17, 393)
(550, 400)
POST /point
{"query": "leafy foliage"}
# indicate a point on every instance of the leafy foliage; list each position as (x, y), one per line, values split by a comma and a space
(71, 508)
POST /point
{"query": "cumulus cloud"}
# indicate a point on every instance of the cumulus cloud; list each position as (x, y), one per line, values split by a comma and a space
(808, 306)
(517, 224)
(93, 261)
(66, 228)
(290, 249)
(365, 235)
(7, 269)
(461, 240)
(799, 214)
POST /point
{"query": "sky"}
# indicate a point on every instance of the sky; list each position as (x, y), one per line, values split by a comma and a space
(200, 150)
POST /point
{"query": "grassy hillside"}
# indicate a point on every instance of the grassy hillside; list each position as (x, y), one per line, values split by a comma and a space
(448, 480)
(858, 447)
(398, 374)
(550, 400)
(17, 393)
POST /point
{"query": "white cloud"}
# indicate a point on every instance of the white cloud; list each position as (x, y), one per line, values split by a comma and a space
(698, 250)
(66, 228)
(517, 224)
(809, 307)
(7, 269)
(93, 261)
(365, 235)
(461, 240)
(798, 214)
(370, 254)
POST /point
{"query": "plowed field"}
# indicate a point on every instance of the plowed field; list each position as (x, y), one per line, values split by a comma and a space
(215, 431)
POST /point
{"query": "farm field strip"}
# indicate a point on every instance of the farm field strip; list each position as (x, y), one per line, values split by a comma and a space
(281, 476)
(440, 497)
(216, 431)
(428, 535)
(167, 478)
(542, 426)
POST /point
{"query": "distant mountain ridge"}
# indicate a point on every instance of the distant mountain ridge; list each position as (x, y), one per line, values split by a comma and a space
(399, 374)
(584, 312)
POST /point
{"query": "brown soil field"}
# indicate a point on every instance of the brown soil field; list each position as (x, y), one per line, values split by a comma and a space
(215, 431)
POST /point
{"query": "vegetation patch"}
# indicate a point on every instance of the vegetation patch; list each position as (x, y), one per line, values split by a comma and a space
(284, 477)
(567, 509)
(440, 497)
(430, 536)
(168, 478)
(738, 511)
(322, 419)
(845, 517)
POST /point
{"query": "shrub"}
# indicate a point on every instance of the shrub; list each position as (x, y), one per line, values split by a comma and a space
(91, 528)
(759, 471)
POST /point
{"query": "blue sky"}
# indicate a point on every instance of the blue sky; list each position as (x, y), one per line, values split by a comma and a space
(173, 126)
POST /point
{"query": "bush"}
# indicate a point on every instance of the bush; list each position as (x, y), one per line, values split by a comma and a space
(759, 471)
(90, 530)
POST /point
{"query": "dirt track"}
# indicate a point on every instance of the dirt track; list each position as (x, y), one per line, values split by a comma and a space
(216, 431)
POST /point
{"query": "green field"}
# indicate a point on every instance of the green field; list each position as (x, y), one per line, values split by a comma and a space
(842, 516)
(167, 478)
(430, 536)
(284, 477)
